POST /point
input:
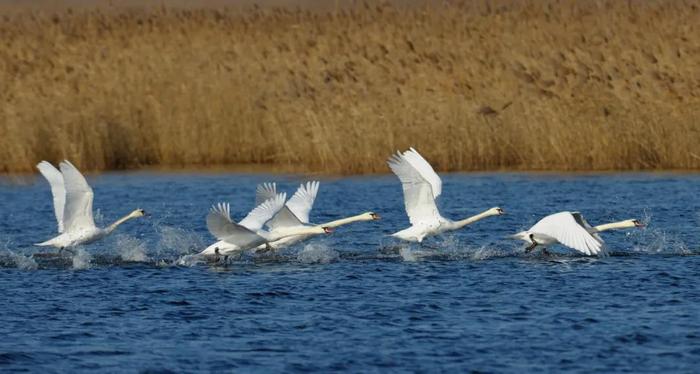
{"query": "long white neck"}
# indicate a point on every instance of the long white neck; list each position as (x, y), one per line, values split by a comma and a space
(344, 221)
(611, 226)
(468, 221)
(118, 222)
(308, 230)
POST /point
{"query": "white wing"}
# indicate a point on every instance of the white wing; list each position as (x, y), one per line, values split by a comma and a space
(223, 228)
(264, 192)
(303, 200)
(425, 170)
(418, 192)
(582, 221)
(77, 214)
(566, 230)
(262, 213)
(284, 218)
(58, 190)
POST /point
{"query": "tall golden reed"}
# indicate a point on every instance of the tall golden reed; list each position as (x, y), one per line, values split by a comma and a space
(536, 85)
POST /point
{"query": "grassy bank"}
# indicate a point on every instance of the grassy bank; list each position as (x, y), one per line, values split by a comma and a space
(495, 85)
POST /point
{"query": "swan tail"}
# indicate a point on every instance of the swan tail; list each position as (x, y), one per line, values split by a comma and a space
(49, 243)
(45, 244)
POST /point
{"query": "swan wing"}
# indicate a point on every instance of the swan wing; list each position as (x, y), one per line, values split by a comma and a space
(284, 218)
(566, 230)
(58, 190)
(223, 228)
(303, 200)
(418, 194)
(264, 212)
(264, 192)
(425, 170)
(582, 221)
(77, 213)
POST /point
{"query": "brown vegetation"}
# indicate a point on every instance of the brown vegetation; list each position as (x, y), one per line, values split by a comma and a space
(537, 85)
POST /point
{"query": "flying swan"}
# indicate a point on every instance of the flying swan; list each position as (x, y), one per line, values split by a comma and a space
(248, 233)
(295, 214)
(72, 202)
(421, 187)
(571, 230)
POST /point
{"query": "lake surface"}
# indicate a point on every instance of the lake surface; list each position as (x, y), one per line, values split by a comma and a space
(472, 300)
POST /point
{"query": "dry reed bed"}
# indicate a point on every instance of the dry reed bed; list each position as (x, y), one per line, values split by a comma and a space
(510, 85)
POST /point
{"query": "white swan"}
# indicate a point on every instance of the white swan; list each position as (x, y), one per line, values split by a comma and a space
(421, 186)
(295, 214)
(248, 234)
(572, 230)
(72, 201)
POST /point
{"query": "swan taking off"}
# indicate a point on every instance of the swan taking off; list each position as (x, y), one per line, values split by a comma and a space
(72, 202)
(295, 213)
(421, 187)
(248, 233)
(572, 230)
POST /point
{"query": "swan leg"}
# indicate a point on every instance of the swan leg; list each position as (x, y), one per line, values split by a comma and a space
(545, 252)
(64, 249)
(531, 247)
(219, 258)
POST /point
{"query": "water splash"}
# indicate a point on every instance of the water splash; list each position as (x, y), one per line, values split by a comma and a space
(317, 254)
(407, 254)
(131, 249)
(175, 242)
(188, 261)
(22, 262)
(81, 259)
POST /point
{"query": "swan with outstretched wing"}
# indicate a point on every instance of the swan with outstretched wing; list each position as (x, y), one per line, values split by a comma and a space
(248, 233)
(421, 187)
(72, 200)
(571, 230)
(295, 214)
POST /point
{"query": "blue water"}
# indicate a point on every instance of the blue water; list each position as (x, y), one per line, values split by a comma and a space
(352, 300)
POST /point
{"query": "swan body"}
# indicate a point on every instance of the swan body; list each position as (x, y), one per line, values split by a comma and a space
(421, 187)
(248, 234)
(295, 215)
(72, 200)
(571, 230)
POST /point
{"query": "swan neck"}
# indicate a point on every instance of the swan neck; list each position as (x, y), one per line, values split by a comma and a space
(302, 231)
(118, 222)
(610, 226)
(468, 221)
(342, 221)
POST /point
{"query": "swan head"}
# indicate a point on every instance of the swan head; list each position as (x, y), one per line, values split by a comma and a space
(327, 230)
(137, 213)
(632, 223)
(496, 211)
(369, 216)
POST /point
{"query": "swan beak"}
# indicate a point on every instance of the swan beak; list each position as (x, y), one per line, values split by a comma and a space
(327, 230)
(501, 211)
(375, 216)
(637, 223)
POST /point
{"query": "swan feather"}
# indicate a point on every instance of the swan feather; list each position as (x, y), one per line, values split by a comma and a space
(77, 214)
(58, 190)
(565, 228)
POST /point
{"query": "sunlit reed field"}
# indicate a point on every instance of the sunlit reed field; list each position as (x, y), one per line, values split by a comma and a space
(604, 85)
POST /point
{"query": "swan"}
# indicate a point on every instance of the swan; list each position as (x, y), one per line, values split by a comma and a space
(248, 233)
(571, 230)
(421, 187)
(72, 202)
(295, 214)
